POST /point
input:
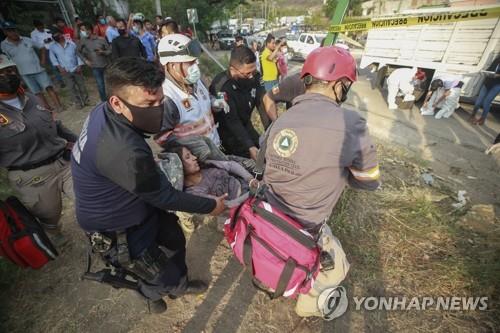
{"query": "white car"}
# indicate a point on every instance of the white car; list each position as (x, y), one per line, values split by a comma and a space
(306, 43)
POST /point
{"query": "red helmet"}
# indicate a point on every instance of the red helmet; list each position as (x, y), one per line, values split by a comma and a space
(330, 64)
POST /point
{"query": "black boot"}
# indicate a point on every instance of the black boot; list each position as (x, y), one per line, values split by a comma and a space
(158, 306)
(196, 287)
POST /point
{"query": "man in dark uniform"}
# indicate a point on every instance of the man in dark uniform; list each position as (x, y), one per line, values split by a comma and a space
(120, 189)
(242, 89)
(35, 149)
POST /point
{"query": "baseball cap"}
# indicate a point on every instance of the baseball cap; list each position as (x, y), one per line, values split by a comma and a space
(5, 61)
(8, 25)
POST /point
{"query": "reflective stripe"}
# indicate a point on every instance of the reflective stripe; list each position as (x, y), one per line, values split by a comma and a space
(370, 174)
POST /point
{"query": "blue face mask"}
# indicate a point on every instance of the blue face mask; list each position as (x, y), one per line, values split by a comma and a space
(102, 21)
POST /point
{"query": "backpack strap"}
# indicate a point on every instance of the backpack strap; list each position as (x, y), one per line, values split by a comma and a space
(286, 273)
(260, 164)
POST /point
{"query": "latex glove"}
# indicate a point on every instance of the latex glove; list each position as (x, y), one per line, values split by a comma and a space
(219, 105)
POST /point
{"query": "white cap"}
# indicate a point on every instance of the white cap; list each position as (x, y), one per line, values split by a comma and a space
(174, 43)
(5, 61)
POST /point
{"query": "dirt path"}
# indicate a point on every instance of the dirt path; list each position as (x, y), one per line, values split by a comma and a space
(402, 240)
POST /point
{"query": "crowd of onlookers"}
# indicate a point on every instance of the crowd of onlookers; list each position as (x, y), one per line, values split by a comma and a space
(63, 50)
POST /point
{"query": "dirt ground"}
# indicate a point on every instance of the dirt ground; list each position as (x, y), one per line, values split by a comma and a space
(404, 239)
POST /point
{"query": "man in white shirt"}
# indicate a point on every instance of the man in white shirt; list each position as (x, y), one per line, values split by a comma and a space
(23, 52)
(42, 38)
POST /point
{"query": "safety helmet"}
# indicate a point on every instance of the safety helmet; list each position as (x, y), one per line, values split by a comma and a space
(330, 64)
(178, 48)
(138, 17)
(438, 83)
(5, 61)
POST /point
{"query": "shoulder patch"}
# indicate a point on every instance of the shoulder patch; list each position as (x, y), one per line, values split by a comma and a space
(4, 121)
(285, 143)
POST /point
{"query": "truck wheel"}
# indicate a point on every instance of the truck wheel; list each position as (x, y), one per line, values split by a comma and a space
(381, 75)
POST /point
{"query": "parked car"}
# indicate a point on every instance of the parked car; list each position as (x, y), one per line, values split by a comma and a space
(305, 44)
(226, 40)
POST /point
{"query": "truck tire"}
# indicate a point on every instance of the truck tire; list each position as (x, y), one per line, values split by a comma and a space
(381, 75)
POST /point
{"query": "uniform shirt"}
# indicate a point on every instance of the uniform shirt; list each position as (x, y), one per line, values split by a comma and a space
(313, 151)
(111, 34)
(86, 50)
(38, 37)
(29, 134)
(235, 128)
(289, 88)
(65, 56)
(270, 71)
(127, 46)
(117, 182)
(23, 54)
(192, 112)
(148, 41)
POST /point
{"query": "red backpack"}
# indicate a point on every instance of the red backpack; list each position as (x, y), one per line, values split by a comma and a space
(22, 238)
(282, 257)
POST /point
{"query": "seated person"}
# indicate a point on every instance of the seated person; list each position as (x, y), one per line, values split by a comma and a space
(213, 177)
(444, 94)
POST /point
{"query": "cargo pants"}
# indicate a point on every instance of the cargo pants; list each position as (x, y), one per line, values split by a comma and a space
(41, 189)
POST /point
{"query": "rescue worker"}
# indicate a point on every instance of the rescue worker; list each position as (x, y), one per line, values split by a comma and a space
(404, 80)
(240, 85)
(299, 159)
(119, 188)
(289, 88)
(189, 116)
(35, 149)
(444, 94)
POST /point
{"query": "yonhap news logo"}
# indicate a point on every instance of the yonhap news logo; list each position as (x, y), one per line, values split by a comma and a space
(333, 303)
(403, 303)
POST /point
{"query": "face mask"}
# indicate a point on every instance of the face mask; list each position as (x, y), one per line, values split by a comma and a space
(193, 74)
(84, 34)
(102, 21)
(345, 90)
(136, 29)
(122, 31)
(9, 84)
(148, 119)
(246, 84)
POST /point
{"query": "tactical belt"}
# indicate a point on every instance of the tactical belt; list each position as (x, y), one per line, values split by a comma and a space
(38, 164)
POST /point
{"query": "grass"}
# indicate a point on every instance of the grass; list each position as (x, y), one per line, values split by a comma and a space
(405, 239)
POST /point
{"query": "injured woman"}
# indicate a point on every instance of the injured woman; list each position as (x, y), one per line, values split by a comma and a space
(214, 178)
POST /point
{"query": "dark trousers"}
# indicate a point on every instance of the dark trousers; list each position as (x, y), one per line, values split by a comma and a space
(76, 84)
(99, 78)
(167, 254)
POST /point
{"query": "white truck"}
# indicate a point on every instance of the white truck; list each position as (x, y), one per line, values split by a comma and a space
(462, 49)
(305, 44)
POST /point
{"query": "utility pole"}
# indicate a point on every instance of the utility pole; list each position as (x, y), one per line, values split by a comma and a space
(158, 7)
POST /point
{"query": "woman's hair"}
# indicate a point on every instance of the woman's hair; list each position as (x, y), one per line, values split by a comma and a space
(176, 149)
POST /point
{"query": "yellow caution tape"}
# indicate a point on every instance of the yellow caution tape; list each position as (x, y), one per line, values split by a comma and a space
(480, 14)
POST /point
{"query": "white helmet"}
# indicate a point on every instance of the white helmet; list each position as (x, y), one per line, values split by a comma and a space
(5, 61)
(138, 17)
(178, 48)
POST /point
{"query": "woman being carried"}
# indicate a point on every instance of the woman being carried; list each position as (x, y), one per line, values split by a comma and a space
(214, 178)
